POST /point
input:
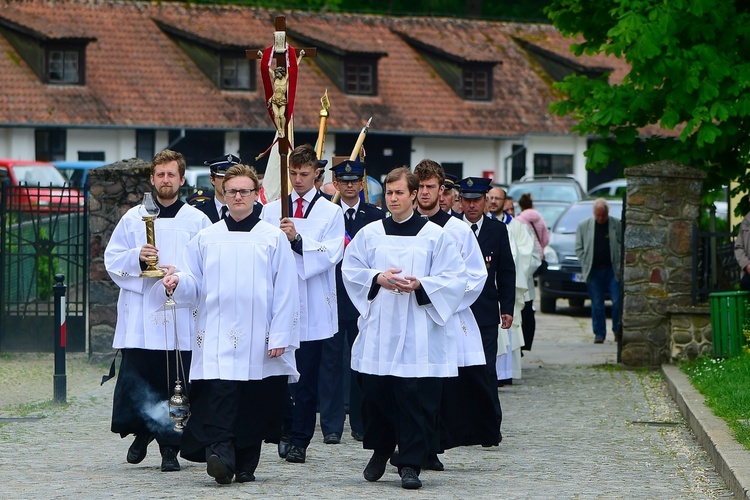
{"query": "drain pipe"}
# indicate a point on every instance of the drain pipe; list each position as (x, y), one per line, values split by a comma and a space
(178, 139)
(508, 174)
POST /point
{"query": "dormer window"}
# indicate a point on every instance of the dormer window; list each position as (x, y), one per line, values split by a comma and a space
(469, 77)
(477, 83)
(236, 72)
(55, 59)
(64, 65)
(224, 63)
(360, 76)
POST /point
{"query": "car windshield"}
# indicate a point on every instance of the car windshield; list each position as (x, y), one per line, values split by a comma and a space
(568, 222)
(550, 213)
(546, 192)
(39, 175)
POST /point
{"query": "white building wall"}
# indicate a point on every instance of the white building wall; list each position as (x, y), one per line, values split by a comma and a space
(477, 155)
(161, 141)
(17, 143)
(561, 145)
(482, 155)
(117, 144)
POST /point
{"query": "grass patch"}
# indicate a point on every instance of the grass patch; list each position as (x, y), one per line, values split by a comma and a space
(725, 383)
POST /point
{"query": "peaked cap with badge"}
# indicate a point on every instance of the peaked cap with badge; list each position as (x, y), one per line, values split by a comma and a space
(221, 164)
(474, 187)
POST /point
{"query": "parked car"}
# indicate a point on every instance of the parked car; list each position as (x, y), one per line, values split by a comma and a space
(548, 188)
(77, 172)
(613, 189)
(46, 189)
(197, 178)
(550, 210)
(563, 278)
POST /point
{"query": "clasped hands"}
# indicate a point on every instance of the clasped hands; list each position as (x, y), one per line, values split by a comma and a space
(390, 281)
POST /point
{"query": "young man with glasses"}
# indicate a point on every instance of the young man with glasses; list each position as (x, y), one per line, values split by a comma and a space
(242, 269)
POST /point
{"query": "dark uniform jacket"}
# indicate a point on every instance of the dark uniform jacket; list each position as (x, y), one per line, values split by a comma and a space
(366, 213)
(499, 292)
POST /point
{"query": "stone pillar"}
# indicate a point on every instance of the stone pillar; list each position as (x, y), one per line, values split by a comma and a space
(115, 189)
(663, 204)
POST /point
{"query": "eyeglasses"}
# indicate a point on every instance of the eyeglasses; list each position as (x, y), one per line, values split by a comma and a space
(242, 192)
(355, 181)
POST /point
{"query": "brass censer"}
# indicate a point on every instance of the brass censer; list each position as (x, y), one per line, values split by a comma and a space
(149, 211)
(179, 404)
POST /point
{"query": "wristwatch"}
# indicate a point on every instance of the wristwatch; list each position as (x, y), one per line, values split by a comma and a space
(297, 238)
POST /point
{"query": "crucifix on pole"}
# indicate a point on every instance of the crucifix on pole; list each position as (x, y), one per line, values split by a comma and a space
(280, 86)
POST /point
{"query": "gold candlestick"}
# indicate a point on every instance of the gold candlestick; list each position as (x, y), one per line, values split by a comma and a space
(151, 210)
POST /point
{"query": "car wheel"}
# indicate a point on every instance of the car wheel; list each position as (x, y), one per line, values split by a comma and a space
(578, 302)
(548, 304)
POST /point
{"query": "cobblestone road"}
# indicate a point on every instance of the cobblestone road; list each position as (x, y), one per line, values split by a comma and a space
(575, 426)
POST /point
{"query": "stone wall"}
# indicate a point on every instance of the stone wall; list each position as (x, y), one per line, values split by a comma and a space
(691, 332)
(115, 189)
(663, 204)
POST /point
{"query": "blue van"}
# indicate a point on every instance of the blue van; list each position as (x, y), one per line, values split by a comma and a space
(77, 172)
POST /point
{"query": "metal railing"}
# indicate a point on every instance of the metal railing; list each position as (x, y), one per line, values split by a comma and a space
(715, 268)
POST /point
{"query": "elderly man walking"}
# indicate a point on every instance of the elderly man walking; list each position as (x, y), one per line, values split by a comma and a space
(599, 248)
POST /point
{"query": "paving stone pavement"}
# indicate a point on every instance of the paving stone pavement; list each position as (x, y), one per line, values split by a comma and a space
(575, 426)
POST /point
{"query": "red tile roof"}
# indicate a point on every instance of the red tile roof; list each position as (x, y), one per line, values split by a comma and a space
(136, 76)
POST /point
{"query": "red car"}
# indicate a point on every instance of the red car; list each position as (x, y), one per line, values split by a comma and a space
(39, 186)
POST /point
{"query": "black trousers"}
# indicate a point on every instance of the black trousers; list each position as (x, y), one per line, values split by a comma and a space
(331, 384)
(745, 283)
(489, 343)
(230, 418)
(467, 410)
(300, 422)
(142, 390)
(528, 325)
(404, 412)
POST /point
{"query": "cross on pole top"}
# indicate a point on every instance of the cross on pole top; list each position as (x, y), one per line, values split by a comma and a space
(279, 102)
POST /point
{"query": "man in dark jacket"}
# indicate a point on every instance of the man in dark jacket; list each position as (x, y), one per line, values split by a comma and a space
(495, 304)
(348, 180)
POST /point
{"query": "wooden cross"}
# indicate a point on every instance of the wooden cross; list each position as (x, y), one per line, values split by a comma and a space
(279, 39)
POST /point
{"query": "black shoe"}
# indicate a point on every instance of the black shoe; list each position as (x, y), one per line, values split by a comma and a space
(394, 459)
(284, 446)
(218, 470)
(169, 461)
(332, 438)
(375, 467)
(598, 340)
(296, 455)
(434, 463)
(137, 450)
(410, 479)
(245, 477)
(357, 436)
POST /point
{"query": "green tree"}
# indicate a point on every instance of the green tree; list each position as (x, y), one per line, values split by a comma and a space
(689, 73)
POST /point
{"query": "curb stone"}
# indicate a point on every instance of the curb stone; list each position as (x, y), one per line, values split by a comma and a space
(731, 459)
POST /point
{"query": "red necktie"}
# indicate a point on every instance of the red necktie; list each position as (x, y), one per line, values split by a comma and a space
(298, 211)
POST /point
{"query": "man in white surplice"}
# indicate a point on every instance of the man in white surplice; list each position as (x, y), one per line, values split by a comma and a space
(242, 269)
(145, 330)
(406, 278)
(467, 406)
(316, 234)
